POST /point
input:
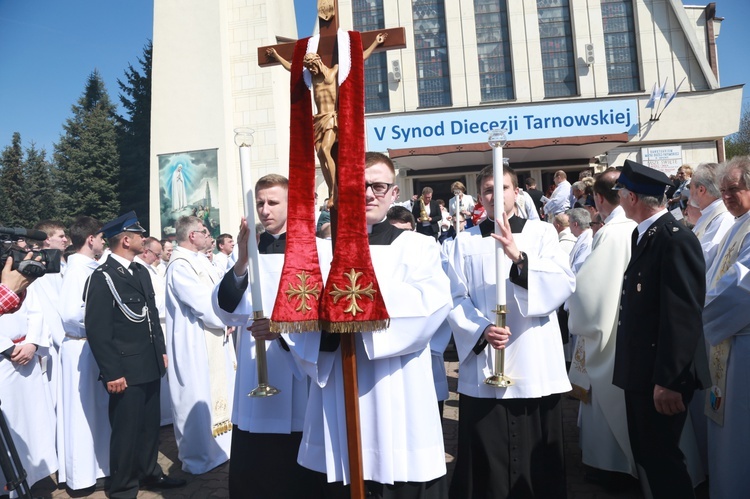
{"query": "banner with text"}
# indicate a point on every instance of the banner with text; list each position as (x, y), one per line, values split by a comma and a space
(471, 126)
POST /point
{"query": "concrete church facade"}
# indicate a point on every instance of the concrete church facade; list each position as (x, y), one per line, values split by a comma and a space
(568, 79)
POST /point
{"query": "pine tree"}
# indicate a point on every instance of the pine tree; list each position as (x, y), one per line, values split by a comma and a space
(87, 158)
(134, 138)
(12, 191)
(738, 144)
(42, 202)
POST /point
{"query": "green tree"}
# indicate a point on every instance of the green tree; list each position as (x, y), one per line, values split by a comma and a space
(134, 137)
(12, 191)
(42, 202)
(87, 160)
(738, 144)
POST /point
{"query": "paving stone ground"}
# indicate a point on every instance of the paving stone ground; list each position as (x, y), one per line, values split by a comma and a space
(214, 483)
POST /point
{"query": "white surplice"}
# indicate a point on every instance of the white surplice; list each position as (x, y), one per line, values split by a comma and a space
(581, 250)
(714, 222)
(534, 357)
(26, 403)
(188, 304)
(593, 314)
(45, 322)
(727, 315)
(85, 401)
(285, 411)
(402, 438)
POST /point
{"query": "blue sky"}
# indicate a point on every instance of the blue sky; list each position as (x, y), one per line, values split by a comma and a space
(49, 47)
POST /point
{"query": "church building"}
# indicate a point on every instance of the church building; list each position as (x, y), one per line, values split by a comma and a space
(576, 84)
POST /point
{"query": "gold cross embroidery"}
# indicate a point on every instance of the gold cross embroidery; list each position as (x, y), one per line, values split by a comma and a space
(352, 292)
(303, 292)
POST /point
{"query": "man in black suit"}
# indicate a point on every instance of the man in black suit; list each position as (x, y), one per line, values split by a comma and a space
(427, 222)
(536, 194)
(660, 358)
(122, 325)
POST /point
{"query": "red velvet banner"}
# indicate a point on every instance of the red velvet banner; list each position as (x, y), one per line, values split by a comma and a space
(352, 301)
(297, 302)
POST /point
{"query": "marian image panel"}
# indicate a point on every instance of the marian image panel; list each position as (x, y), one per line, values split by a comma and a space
(188, 184)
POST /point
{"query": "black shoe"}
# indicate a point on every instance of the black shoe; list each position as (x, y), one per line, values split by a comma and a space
(163, 482)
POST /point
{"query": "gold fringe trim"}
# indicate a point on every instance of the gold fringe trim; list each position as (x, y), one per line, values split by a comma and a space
(356, 327)
(580, 393)
(221, 428)
(295, 327)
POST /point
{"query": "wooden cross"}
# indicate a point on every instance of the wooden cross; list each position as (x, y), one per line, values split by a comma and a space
(328, 20)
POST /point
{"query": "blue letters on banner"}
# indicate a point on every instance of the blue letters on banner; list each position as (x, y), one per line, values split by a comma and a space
(470, 126)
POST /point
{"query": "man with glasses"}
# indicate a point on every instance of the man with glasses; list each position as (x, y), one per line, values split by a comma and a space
(202, 371)
(126, 340)
(727, 325)
(150, 258)
(402, 441)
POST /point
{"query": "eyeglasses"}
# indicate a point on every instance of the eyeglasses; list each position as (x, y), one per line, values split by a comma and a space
(378, 188)
(157, 255)
(202, 231)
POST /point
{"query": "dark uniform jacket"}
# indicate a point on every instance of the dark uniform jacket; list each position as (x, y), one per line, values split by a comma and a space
(123, 348)
(660, 330)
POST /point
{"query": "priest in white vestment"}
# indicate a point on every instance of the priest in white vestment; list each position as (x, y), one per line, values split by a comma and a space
(26, 403)
(202, 368)
(593, 315)
(715, 220)
(402, 439)
(726, 323)
(510, 439)
(580, 227)
(85, 401)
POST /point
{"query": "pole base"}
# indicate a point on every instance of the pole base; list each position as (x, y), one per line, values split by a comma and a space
(499, 380)
(263, 390)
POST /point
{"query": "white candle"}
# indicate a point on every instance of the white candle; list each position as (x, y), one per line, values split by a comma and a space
(497, 170)
(456, 222)
(253, 273)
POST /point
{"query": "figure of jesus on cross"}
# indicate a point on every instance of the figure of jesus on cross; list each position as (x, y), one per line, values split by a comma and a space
(325, 121)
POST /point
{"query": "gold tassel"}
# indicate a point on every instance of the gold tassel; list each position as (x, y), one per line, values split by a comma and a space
(356, 327)
(221, 428)
(295, 327)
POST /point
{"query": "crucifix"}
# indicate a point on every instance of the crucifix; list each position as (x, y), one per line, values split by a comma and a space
(323, 66)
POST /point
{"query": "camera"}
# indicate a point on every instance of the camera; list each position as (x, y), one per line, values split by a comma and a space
(42, 262)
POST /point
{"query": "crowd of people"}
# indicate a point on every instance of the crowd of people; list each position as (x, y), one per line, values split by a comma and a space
(637, 310)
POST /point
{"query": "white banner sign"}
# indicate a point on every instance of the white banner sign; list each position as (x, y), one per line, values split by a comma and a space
(665, 159)
(471, 126)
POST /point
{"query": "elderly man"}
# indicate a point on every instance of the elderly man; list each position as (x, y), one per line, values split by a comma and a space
(660, 356)
(580, 227)
(150, 258)
(510, 441)
(567, 240)
(559, 201)
(727, 324)
(714, 219)
(202, 370)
